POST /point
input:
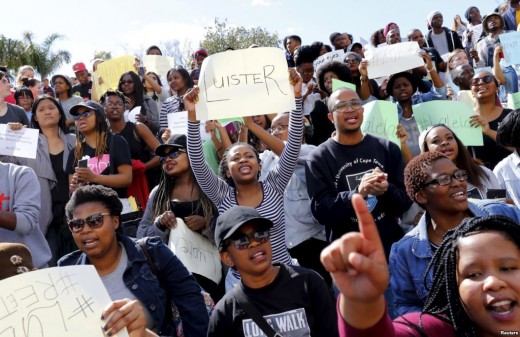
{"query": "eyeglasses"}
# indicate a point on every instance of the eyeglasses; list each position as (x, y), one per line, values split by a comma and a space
(93, 221)
(172, 155)
(114, 105)
(278, 128)
(485, 79)
(85, 114)
(351, 61)
(445, 179)
(126, 82)
(345, 106)
(241, 241)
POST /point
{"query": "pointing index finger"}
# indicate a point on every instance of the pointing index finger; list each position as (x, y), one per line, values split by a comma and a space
(367, 225)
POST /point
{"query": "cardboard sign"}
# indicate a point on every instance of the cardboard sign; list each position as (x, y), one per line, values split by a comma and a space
(380, 119)
(20, 143)
(196, 252)
(178, 122)
(335, 55)
(158, 64)
(456, 115)
(244, 82)
(513, 101)
(511, 46)
(57, 302)
(110, 72)
(392, 59)
(337, 84)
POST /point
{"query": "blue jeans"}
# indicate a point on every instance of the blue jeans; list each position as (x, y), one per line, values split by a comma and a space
(511, 85)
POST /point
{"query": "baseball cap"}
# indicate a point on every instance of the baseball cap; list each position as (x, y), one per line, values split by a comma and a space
(234, 218)
(15, 259)
(175, 141)
(79, 67)
(88, 104)
(200, 51)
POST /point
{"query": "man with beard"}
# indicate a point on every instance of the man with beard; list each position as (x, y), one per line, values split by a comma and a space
(84, 86)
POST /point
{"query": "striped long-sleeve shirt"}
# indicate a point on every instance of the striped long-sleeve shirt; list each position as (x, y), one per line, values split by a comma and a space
(170, 105)
(271, 207)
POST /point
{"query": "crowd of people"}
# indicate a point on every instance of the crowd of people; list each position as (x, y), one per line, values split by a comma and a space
(304, 209)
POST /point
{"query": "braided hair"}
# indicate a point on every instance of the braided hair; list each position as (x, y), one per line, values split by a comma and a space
(102, 133)
(443, 297)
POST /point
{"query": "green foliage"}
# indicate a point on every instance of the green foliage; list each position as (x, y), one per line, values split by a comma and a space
(102, 55)
(221, 36)
(15, 53)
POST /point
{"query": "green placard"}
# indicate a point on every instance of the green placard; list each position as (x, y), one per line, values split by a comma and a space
(456, 115)
(336, 84)
(380, 119)
(513, 101)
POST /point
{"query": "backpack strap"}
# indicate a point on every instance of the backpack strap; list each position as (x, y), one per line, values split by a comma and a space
(253, 312)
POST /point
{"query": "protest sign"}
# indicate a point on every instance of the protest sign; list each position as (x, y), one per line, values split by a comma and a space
(513, 101)
(380, 119)
(158, 64)
(57, 302)
(196, 252)
(511, 45)
(477, 32)
(20, 143)
(335, 55)
(392, 59)
(336, 84)
(109, 72)
(456, 115)
(244, 82)
(178, 122)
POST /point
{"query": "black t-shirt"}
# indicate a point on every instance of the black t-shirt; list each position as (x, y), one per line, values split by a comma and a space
(60, 192)
(83, 90)
(117, 156)
(491, 153)
(296, 303)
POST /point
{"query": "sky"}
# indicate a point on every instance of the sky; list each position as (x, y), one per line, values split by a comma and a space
(123, 26)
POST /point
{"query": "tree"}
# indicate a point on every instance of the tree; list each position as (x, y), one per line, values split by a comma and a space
(220, 37)
(41, 56)
(10, 51)
(103, 55)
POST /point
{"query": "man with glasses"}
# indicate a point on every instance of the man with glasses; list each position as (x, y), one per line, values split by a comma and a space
(439, 187)
(20, 211)
(352, 162)
(292, 300)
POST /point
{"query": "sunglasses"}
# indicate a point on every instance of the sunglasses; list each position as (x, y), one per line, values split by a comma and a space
(93, 221)
(172, 155)
(85, 114)
(241, 240)
(445, 179)
(126, 82)
(485, 79)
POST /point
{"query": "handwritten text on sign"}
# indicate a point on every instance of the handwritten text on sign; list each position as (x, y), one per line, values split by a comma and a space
(57, 302)
(380, 119)
(392, 59)
(456, 115)
(197, 253)
(20, 143)
(511, 45)
(336, 55)
(244, 82)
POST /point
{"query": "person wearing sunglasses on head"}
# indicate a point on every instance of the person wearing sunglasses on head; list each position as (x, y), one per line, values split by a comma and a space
(108, 156)
(295, 300)
(178, 195)
(435, 183)
(141, 142)
(131, 85)
(125, 265)
(489, 114)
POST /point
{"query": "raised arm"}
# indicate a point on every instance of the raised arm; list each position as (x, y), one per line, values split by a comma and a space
(358, 267)
(214, 187)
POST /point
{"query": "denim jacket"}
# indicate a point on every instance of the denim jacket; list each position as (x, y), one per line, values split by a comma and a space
(410, 256)
(142, 282)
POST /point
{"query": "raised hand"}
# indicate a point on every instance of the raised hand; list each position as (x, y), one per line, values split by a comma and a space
(190, 99)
